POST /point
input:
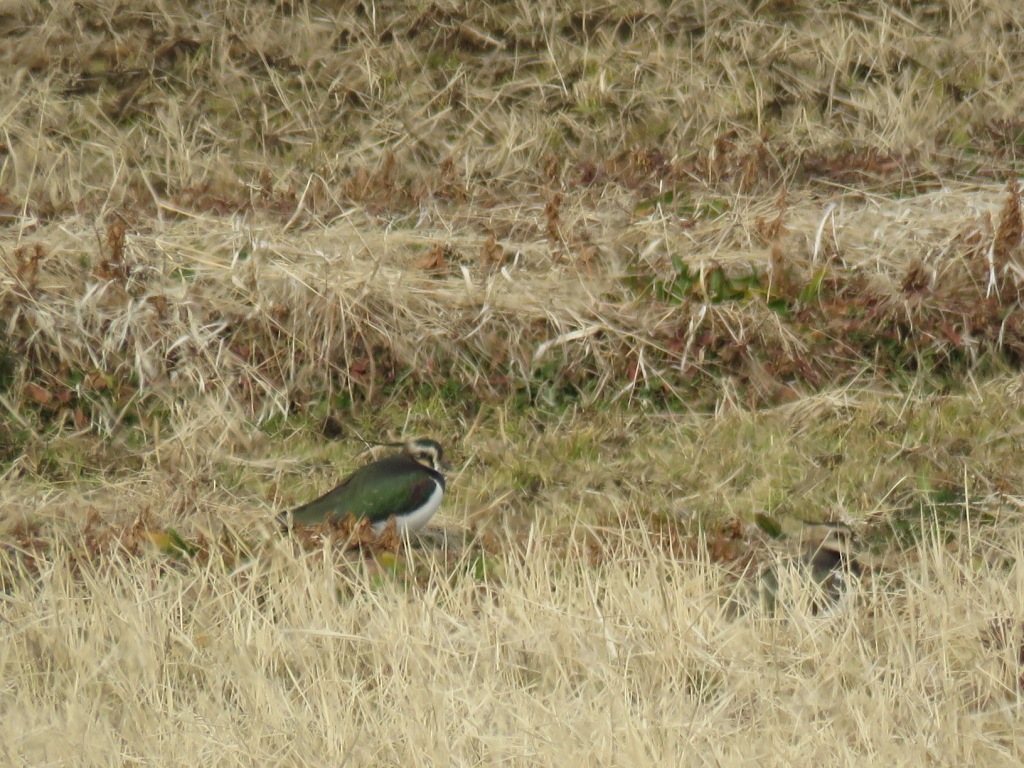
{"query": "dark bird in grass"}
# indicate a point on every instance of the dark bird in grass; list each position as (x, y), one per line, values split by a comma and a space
(826, 562)
(408, 486)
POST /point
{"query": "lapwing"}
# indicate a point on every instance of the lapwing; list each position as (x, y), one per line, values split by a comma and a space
(408, 486)
(826, 563)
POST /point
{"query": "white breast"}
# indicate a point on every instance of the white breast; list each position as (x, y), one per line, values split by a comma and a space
(419, 518)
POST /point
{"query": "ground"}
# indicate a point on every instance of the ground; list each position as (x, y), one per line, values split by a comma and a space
(665, 279)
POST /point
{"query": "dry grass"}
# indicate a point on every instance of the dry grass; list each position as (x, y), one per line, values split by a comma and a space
(305, 661)
(646, 271)
(275, 200)
(591, 616)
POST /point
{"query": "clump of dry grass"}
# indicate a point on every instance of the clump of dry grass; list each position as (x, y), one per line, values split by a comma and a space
(309, 660)
(271, 323)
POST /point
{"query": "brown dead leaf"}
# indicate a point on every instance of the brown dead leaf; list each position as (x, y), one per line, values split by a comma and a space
(434, 260)
(552, 214)
(590, 173)
(358, 533)
(115, 240)
(389, 539)
(27, 269)
(96, 382)
(1011, 228)
(160, 304)
(917, 279)
(723, 548)
(37, 394)
(356, 187)
(112, 267)
(782, 283)
(492, 255)
(553, 169)
(586, 258)
(770, 230)
(9, 210)
(79, 418)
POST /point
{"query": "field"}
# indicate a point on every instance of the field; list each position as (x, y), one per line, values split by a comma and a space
(670, 281)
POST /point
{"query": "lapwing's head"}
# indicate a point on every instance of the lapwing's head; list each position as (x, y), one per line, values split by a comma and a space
(427, 452)
(828, 537)
(829, 548)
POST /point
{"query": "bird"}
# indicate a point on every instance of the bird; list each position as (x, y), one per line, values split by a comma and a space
(827, 562)
(408, 486)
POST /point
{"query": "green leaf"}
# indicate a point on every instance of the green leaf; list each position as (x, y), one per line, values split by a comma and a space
(812, 290)
(483, 569)
(389, 562)
(647, 206)
(170, 542)
(721, 288)
(682, 205)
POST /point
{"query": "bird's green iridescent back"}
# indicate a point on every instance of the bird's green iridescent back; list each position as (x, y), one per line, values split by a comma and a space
(392, 486)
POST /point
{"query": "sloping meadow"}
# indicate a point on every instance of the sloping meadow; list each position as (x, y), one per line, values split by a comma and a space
(648, 273)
